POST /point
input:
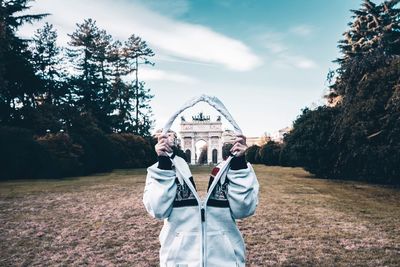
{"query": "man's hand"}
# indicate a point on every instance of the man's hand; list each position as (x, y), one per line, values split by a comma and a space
(164, 145)
(239, 146)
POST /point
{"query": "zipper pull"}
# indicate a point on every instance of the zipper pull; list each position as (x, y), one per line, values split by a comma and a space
(203, 215)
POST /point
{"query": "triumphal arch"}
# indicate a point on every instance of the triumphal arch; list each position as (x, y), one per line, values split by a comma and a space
(202, 128)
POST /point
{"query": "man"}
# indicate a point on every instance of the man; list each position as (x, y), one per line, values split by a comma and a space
(200, 232)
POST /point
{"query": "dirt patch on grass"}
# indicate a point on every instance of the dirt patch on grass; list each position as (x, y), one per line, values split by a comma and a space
(100, 220)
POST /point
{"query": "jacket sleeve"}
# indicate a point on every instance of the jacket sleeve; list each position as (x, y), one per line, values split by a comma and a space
(159, 191)
(242, 189)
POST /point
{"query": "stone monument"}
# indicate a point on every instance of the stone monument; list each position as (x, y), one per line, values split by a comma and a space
(202, 128)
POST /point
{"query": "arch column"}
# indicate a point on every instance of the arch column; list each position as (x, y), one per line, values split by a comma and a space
(209, 150)
(193, 151)
(220, 149)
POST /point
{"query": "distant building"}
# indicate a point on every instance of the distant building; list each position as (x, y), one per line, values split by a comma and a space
(259, 141)
(228, 136)
(278, 137)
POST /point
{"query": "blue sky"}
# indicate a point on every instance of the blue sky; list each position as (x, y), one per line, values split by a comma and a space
(265, 60)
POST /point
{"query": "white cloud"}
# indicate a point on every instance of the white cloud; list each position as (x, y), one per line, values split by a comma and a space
(167, 58)
(305, 63)
(302, 30)
(280, 53)
(166, 35)
(170, 8)
(157, 75)
(299, 62)
(273, 42)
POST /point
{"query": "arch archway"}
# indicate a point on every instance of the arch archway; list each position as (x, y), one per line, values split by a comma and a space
(188, 154)
(213, 101)
(211, 137)
(215, 156)
(208, 133)
(217, 104)
(201, 152)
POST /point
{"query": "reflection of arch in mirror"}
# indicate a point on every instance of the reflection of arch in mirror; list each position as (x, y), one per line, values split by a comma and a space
(212, 101)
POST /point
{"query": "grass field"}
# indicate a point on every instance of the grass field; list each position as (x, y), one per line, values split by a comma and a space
(100, 220)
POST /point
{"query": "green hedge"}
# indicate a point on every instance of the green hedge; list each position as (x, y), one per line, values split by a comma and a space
(21, 156)
(26, 156)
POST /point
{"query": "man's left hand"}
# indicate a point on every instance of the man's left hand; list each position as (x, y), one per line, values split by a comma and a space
(239, 146)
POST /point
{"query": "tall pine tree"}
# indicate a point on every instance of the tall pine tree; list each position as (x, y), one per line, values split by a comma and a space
(47, 60)
(88, 52)
(138, 53)
(51, 97)
(18, 83)
(144, 112)
(123, 120)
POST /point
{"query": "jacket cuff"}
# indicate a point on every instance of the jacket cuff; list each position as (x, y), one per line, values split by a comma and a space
(164, 163)
(238, 163)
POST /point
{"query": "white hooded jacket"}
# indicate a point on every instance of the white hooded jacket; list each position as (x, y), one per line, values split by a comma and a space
(198, 234)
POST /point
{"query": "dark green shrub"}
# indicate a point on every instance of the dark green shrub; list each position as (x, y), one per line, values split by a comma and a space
(269, 153)
(252, 154)
(131, 151)
(98, 149)
(309, 143)
(21, 156)
(66, 156)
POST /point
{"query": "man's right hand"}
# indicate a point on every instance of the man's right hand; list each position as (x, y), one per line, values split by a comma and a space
(163, 146)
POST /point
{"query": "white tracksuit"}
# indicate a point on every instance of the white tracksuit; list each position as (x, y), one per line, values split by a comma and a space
(201, 234)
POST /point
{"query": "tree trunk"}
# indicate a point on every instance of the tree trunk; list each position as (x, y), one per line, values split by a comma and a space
(137, 97)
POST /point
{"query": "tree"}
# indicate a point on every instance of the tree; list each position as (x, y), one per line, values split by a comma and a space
(101, 87)
(37, 94)
(47, 61)
(374, 28)
(358, 137)
(372, 40)
(18, 83)
(269, 153)
(52, 96)
(144, 122)
(89, 53)
(138, 53)
(366, 83)
(251, 153)
(367, 127)
(122, 93)
(309, 143)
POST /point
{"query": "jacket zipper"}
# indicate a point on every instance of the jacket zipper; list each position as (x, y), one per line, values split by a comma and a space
(203, 235)
(203, 206)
